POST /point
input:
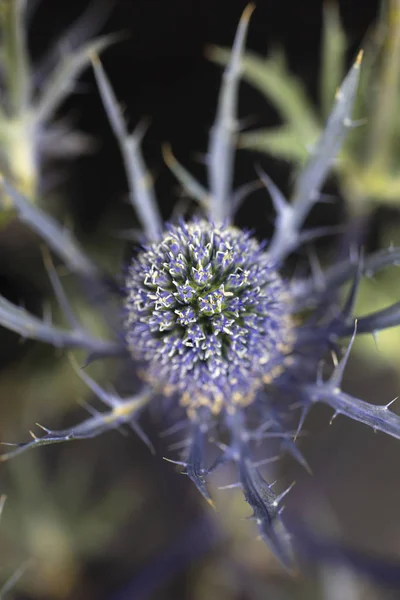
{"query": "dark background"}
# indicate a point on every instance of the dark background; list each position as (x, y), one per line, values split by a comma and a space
(161, 72)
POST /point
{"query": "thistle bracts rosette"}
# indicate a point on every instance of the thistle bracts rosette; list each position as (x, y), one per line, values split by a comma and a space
(210, 326)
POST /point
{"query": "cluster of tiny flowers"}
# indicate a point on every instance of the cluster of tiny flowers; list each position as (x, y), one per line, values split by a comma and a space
(208, 314)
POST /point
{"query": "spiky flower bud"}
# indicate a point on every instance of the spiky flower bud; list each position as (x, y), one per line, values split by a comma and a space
(208, 314)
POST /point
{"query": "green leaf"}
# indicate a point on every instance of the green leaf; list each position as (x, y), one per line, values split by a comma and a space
(282, 142)
(15, 56)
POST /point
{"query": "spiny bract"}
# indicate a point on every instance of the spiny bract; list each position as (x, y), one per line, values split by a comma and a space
(209, 322)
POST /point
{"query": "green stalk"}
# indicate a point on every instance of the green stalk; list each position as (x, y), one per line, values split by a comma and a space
(15, 55)
(381, 136)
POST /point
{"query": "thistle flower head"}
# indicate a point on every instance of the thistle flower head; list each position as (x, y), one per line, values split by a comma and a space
(208, 313)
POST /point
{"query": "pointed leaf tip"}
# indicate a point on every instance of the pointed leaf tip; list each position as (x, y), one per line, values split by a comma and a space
(167, 154)
(359, 58)
(94, 57)
(248, 11)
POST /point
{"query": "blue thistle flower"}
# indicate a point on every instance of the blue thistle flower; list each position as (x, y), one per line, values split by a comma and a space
(209, 321)
(208, 313)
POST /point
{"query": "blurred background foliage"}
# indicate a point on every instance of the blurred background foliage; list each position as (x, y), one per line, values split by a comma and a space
(105, 518)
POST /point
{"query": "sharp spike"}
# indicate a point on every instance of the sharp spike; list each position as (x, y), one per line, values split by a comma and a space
(335, 359)
(141, 434)
(287, 233)
(335, 414)
(230, 486)
(337, 376)
(281, 496)
(265, 461)
(141, 194)
(350, 302)
(58, 289)
(88, 407)
(179, 445)
(320, 370)
(375, 338)
(387, 406)
(175, 462)
(317, 273)
(175, 428)
(279, 201)
(45, 429)
(289, 446)
(223, 134)
(192, 187)
(109, 399)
